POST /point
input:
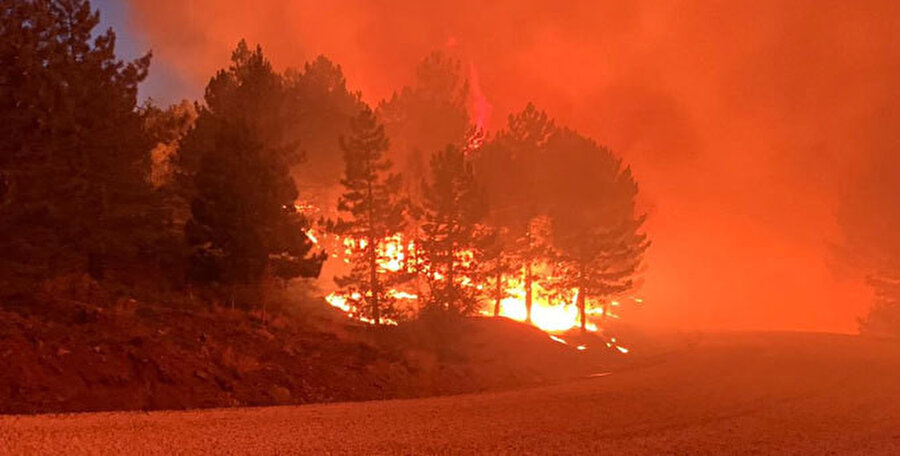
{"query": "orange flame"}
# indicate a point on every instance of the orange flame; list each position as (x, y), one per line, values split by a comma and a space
(479, 107)
(549, 312)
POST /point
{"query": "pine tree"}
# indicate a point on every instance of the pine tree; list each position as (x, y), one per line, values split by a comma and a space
(596, 233)
(453, 238)
(427, 115)
(376, 213)
(321, 108)
(244, 224)
(509, 167)
(73, 157)
(494, 265)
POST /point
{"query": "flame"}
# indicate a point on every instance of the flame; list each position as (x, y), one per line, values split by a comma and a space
(479, 107)
(546, 313)
(551, 311)
(342, 302)
(392, 252)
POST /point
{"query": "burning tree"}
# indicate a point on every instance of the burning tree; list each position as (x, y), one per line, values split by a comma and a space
(495, 265)
(509, 166)
(596, 234)
(452, 242)
(376, 212)
(244, 225)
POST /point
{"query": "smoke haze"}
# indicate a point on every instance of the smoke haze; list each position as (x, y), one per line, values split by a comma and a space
(742, 121)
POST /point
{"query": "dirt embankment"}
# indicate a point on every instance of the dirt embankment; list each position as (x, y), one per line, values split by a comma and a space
(737, 393)
(140, 357)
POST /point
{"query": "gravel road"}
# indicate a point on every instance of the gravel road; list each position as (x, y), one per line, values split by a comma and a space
(753, 393)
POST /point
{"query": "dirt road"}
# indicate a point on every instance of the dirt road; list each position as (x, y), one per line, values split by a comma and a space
(779, 393)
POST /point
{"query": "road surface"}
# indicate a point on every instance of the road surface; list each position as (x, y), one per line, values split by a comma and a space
(779, 393)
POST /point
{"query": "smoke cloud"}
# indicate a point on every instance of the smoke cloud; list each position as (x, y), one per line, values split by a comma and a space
(741, 120)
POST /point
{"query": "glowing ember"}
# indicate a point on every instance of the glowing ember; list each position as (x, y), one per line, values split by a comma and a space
(341, 302)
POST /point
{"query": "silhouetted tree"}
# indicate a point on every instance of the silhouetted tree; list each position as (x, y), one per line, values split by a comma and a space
(494, 265)
(869, 218)
(427, 115)
(73, 158)
(166, 128)
(884, 315)
(454, 207)
(320, 109)
(376, 213)
(509, 167)
(590, 199)
(244, 224)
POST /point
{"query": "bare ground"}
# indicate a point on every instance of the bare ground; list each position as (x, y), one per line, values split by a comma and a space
(74, 357)
(753, 393)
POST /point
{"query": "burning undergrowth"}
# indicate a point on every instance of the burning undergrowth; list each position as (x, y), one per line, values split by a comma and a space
(555, 313)
(533, 222)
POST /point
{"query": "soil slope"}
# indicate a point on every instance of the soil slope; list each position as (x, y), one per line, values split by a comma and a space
(763, 393)
(130, 357)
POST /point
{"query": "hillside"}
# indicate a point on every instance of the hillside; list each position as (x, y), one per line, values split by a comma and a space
(74, 357)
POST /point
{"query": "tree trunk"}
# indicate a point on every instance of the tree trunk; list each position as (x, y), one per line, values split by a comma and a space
(499, 296)
(451, 295)
(582, 299)
(528, 278)
(528, 293)
(373, 261)
(581, 309)
(373, 282)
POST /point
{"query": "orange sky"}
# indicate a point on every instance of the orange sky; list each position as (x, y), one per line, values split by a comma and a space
(738, 118)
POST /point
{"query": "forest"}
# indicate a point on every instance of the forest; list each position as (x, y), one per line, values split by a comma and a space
(276, 178)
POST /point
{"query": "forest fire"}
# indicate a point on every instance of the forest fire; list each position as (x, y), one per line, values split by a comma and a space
(434, 220)
(552, 311)
(548, 315)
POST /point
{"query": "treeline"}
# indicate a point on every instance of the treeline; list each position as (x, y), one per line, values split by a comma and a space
(223, 193)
